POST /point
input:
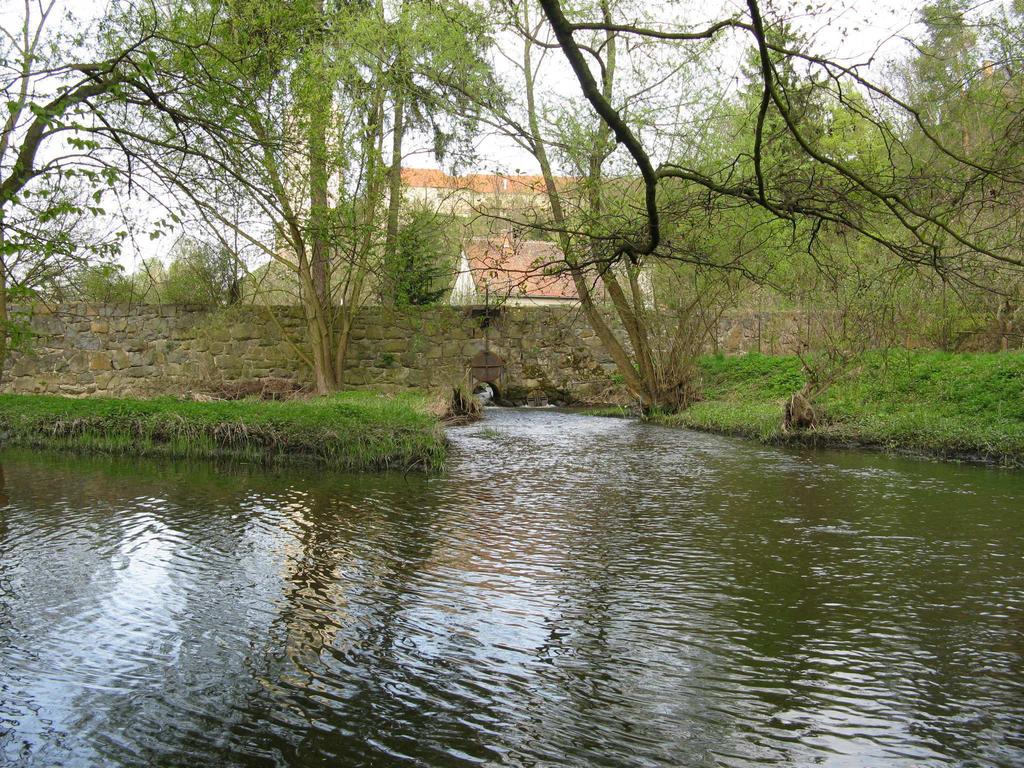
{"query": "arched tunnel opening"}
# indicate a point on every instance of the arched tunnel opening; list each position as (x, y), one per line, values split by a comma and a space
(487, 369)
(486, 392)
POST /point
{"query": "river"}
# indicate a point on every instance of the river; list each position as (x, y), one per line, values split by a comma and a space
(571, 591)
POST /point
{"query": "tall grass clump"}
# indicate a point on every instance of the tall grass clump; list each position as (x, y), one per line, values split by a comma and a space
(349, 431)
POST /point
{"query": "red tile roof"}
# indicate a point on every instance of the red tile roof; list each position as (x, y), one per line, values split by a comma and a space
(426, 177)
(508, 266)
(492, 183)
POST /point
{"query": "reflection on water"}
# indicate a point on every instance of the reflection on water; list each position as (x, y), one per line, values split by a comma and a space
(574, 591)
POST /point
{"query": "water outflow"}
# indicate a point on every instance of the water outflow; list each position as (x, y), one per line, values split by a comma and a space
(599, 593)
(484, 393)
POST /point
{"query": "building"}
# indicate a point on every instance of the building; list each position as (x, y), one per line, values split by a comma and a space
(475, 193)
(510, 271)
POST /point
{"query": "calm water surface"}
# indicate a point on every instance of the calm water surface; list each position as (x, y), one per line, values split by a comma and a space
(574, 591)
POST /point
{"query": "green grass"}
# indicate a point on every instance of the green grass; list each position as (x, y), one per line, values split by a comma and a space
(351, 430)
(957, 406)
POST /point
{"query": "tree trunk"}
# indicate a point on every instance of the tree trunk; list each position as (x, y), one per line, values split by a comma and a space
(4, 325)
(319, 180)
(319, 303)
(341, 341)
(394, 195)
(324, 379)
(318, 211)
(319, 329)
(320, 320)
(612, 345)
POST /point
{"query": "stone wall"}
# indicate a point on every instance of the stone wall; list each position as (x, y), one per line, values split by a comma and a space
(84, 349)
(145, 350)
(89, 349)
(770, 332)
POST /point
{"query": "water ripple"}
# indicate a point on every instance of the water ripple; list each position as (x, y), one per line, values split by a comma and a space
(574, 591)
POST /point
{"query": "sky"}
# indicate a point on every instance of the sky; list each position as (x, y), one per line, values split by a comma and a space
(852, 31)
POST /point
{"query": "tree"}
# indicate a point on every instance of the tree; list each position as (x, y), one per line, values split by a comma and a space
(420, 269)
(652, 317)
(284, 105)
(944, 64)
(950, 217)
(54, 169)
(202, 273)
(276, 104)
(437, 75)
(104, 283)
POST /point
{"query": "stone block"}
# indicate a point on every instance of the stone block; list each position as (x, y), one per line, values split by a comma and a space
(143, 357)
(99, 361)
(78, 362)
(23, 366)
(245, 331)
(474, 346)
(417, 379)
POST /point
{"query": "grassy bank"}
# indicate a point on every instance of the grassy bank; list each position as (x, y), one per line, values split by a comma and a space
(351, 430)
(954, 406)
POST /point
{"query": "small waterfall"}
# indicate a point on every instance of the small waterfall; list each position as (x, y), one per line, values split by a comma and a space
(484, 393)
